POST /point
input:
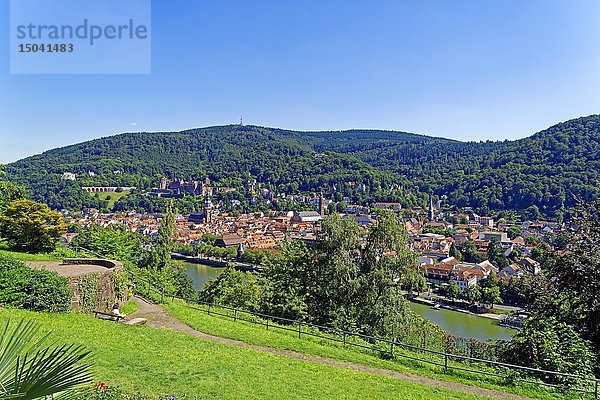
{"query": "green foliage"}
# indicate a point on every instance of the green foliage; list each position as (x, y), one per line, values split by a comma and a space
(496, 255)
(514, 231)
(88, 286)
(30, 368)
(31, 226)
(491, 295)
(115, 242)
(572, 291)
(553, 346)
(438, 230)
(472, 294)
(36, 290)
(469, 252)
(157, 362)
(9, 191)
(537, 176)
(452, 291)
(341, 281)
(160, 255)
(235, 289)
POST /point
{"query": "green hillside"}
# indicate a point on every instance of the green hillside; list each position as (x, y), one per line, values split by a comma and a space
(541, 174)
(159, 362)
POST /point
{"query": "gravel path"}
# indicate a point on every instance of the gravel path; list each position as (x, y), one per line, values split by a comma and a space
(158, 318)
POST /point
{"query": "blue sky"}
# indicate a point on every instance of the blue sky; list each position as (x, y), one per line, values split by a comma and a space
(464, 69)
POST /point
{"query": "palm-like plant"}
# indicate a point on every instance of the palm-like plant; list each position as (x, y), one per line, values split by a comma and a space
(31, 367)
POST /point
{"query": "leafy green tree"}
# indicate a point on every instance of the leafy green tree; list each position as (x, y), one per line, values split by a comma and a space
(514, 231)
(550, 345)
(575, 277)
(496, 256)
(414, 281)
(491, 295)
(533, 212)
(452, 291)
(31, 226)
(114, 241)
(162, 248)
(469, 252)
(347, 279)
(455, 252)
(472, 294)
(235, 289)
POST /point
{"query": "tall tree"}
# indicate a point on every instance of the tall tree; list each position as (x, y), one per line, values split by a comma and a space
(575, 275)
(161, 251)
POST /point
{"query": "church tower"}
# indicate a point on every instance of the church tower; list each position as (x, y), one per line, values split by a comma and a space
(208, 210)
(321, 205)
(431, 213)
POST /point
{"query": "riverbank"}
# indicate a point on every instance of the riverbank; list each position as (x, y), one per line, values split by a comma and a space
(214, 262)
(424, 301)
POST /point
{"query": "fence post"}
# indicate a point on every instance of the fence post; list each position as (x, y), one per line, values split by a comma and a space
(392, 348)
(235, 315)
(596, 389)
(299, 329)
(344, 338)
(267, 323)
(162, 295)
(208, 308)
(446, 362)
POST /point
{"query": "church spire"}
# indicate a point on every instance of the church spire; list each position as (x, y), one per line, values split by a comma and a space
(431, 213)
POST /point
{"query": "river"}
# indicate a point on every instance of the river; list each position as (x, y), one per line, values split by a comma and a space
(454, 322)
(200, 273)
(462, 324)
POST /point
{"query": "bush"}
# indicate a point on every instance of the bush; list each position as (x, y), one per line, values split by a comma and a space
(550, 345)
(35, 290)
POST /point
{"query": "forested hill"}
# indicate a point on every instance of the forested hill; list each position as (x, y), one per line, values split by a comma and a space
(542, 172)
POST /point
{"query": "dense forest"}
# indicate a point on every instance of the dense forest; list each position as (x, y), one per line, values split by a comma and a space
(543, 174)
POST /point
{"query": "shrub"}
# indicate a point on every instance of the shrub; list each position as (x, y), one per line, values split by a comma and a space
(35, 290)
(550, 345)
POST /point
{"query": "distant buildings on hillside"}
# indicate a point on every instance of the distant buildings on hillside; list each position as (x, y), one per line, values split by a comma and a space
(178, 187)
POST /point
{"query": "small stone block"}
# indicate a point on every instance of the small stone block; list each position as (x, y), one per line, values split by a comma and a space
(136, 321)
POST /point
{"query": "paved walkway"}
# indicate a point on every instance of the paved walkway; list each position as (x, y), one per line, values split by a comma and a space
(66, 270)
(158, 318)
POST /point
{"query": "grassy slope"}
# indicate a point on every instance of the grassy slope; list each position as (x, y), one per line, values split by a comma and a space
(281, 339)
(114, 197)
(164, 362)
(55, 256)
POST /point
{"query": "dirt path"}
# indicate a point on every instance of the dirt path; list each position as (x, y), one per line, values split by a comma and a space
(159, 318)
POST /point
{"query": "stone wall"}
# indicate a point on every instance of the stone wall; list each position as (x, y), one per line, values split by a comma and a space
(99, 290)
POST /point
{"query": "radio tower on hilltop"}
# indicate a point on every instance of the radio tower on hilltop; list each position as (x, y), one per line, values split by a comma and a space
(241, 120)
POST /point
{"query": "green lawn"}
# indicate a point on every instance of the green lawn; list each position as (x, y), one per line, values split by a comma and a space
(281, 339)
(159, 362)
(56, 255)
(114, 197)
